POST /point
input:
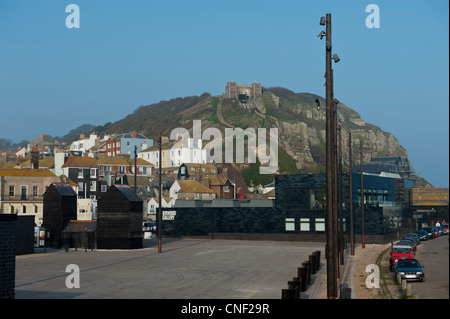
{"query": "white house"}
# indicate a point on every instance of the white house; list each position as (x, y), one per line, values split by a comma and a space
(84, 144)
(176, 153)
(153, 205)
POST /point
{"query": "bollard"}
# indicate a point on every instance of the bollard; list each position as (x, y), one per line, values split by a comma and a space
(307, 265)
(317, 253)
(312, 260)
(345, 292)
(408, 290)
(302, 275)
(295, 284)
(288, 294)
(403, 284)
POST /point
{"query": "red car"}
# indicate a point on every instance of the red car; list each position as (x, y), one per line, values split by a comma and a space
(445, 228)
(398, 252)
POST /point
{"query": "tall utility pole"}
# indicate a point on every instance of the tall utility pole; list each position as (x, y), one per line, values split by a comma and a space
(330, 171)
(135, 168)
(160, 196)
(350, 169)
(363, 239)
(341, 217)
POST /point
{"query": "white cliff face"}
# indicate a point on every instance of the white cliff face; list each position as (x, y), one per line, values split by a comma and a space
(304, 140)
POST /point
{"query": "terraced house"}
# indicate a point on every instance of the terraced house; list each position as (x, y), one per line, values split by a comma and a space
(22, 190)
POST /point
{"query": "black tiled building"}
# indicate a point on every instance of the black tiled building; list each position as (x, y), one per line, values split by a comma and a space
(297, 213)
(60, 206)
(119, 221)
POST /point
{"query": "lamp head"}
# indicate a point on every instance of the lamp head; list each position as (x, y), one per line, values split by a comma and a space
(322, 20)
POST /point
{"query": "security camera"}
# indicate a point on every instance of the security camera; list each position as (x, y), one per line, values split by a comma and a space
(336, 58)
(317, 102)
(321, 35)
(322, 20)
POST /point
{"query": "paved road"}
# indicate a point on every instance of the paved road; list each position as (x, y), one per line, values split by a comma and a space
(434, 255)
(186, 269)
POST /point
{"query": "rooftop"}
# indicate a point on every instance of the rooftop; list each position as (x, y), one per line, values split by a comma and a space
(26, 172)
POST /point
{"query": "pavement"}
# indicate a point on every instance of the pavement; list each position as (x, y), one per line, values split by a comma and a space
(186, 269)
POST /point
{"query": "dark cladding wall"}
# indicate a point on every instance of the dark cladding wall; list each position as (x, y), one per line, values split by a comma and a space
(298, 213)
(7, 255)
(25, 235)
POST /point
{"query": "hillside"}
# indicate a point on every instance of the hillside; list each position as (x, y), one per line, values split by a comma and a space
(301, 127)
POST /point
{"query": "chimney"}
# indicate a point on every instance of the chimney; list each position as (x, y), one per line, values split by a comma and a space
(34, 157)
(82, 137)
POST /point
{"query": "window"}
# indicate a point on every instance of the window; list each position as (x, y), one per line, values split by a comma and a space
(80, 186)
(93, 186)
(23, 194)
(35, 209)
(35, 191)
(11, 190)
(93, 172)
(290, 224)
(12, 209)
(24, 209)
(320, 224)
(304, 224)
(80, 173)
(305, 198)
(103, 188)
(128, 143)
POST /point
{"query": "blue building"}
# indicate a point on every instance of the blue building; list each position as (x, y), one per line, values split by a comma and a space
(385, 189)
(125, 143)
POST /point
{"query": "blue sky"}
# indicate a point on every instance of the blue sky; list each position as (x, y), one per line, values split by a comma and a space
(131, 53)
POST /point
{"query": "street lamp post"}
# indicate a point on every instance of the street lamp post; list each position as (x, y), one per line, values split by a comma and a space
(363, 237)
(350, 169)
(160, 197)
(330, 166)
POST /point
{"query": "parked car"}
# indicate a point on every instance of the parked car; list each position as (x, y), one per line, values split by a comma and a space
(436, 230)
(399, 252)
(423, 235)
(409, 269)
(445, 228)
(441, 231)
(430, 232)
(413, 236)
(408, 241)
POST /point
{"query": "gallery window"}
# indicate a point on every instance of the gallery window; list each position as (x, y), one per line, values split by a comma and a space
(320, 224)
(290, 224)
(304, 224)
